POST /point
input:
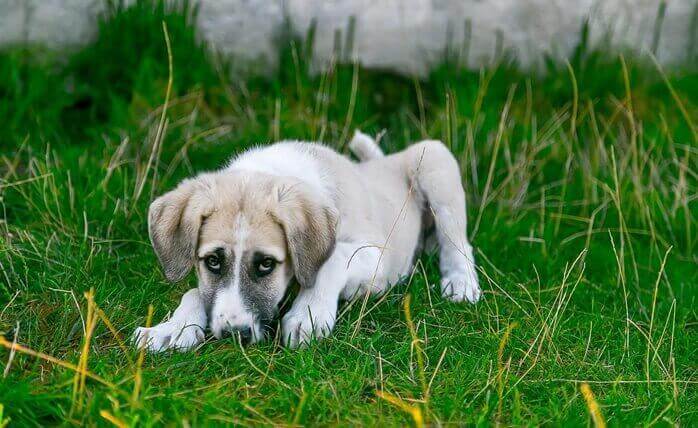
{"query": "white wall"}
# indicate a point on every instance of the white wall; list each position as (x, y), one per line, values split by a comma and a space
(404, 35)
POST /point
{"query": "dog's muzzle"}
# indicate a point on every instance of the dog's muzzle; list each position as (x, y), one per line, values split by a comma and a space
(242, 332)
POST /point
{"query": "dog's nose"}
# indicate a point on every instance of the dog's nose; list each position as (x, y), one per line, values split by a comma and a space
(245, 333)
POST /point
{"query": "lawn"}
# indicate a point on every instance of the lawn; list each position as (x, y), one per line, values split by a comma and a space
(582, 191)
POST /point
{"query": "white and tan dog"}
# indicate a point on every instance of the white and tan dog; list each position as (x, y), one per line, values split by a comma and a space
(293, 209)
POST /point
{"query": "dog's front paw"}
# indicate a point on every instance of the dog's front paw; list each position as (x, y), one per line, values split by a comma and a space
(168, 335)
(460, 286)
(300, 327)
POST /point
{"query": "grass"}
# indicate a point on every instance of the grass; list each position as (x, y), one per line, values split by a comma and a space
(582, 189)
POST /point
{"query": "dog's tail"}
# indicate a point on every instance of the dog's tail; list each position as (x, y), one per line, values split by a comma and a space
(364, 147)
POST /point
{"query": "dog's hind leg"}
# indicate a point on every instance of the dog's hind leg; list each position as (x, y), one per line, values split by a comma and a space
(364, 147)
(436, 176)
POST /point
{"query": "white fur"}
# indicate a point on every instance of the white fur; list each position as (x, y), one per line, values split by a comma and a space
(183, 331)
(381, 204)
(364, 147)
(285, 160)
(313, 313)
(459, 279)
(228, 309)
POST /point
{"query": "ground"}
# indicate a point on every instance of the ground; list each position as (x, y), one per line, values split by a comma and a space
(582, 191)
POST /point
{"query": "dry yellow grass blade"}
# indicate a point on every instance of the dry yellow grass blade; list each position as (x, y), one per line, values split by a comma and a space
(500, 366)
(4, 422)
(677, 98)
(417, 343)
(113, 419)
(162, 125)
(593, 406)
(138, 376)
(413, 411)
(114, 333)
(24, 350)
(79, 379)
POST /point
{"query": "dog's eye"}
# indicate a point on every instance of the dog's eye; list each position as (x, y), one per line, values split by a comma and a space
(213, 263)
(265, 266)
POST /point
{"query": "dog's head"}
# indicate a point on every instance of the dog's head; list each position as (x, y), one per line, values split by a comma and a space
(247, 234)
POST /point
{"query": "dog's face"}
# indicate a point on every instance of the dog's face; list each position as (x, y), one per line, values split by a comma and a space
(247, 235)
(243, 268)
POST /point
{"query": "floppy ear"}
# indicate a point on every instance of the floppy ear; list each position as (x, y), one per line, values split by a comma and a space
(174, 220)
(310, 225)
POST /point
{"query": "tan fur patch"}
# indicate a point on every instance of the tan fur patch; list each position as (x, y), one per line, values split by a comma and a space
(281, 216)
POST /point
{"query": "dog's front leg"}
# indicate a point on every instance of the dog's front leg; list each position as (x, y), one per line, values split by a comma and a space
(314, 311)
(183, 331)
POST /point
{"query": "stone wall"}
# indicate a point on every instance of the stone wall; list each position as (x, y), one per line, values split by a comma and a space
(403, 35)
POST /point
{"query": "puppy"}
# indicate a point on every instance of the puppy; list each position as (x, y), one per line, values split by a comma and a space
(300, 210)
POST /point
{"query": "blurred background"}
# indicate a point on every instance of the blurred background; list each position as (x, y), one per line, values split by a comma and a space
(409, 36)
